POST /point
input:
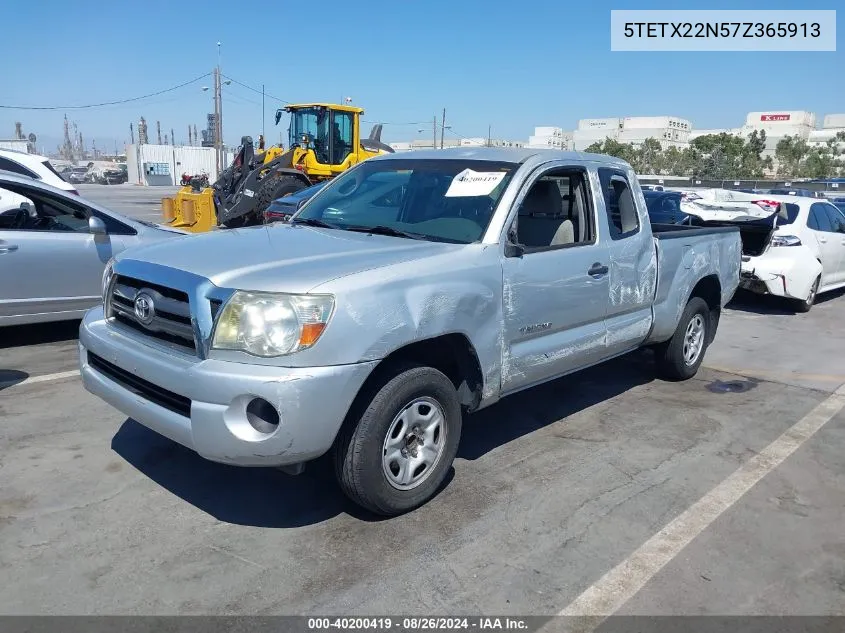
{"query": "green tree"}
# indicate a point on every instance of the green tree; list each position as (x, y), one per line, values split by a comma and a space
(612, 147)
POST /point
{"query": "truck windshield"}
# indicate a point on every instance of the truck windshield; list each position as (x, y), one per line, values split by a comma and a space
(440, 200)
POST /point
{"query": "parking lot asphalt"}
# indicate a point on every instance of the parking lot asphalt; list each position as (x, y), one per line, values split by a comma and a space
(143, 203)
(553, 490)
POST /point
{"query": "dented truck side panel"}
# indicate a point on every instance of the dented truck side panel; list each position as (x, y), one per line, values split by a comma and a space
(685, 259)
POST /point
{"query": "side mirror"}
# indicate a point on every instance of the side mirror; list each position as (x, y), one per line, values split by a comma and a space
(96, 226)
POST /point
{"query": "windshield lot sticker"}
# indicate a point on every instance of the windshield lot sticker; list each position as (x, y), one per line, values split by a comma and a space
(474, 183)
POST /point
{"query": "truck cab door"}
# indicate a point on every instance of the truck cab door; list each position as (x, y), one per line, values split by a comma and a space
(633, 262)
(555, 280)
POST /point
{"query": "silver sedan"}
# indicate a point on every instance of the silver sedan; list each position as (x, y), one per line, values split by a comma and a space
(54, 247)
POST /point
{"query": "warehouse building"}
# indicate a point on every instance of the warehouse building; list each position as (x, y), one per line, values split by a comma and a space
(668, 130)
(833, 124)
(595, 131)
(550, 137)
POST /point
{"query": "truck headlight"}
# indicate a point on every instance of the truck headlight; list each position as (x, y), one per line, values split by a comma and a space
(271, 324)
(108, 273)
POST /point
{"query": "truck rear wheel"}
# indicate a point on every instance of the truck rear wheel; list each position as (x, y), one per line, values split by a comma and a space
(395, 455)
(274, 186)
(680, 357)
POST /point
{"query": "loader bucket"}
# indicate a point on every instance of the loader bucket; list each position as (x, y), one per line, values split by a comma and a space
(168, 212)
(194, 211)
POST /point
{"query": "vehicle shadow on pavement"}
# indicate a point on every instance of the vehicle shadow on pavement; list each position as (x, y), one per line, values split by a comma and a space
(535, 408)
(38, 333)
(259, 497)
(11, 377)
(267, 497)
(745, 301)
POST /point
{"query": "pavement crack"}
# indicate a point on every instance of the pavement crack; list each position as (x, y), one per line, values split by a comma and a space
(236, 557)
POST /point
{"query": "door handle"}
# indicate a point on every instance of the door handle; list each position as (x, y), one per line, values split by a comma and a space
(8, 248)
(823, 240)
(597, 270)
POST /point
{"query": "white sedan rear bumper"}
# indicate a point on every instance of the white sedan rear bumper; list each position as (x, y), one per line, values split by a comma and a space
(783, 271)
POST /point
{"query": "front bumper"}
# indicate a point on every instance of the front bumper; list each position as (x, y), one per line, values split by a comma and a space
(311, 402)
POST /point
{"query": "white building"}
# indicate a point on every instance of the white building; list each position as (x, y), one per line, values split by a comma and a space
(778, 124)
(668, 130)
(549, 137)
(595, 131)
(833, 125)
(165, 164)
(15, 145)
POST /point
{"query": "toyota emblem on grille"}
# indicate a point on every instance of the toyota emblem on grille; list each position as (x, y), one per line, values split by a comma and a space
(145, 309)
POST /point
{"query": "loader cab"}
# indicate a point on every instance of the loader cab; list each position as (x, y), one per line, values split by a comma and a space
(330, 131)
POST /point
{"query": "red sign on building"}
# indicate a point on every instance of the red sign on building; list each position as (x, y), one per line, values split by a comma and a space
(774, 117)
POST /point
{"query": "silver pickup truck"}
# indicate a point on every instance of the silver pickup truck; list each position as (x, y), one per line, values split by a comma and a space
(412, 289)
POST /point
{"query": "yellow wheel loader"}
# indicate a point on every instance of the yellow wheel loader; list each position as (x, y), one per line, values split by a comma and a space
(324, 141)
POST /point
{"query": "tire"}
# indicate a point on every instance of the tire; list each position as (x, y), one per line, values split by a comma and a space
(363, 466)
(804, 305)
(273, 186)
(676, 360)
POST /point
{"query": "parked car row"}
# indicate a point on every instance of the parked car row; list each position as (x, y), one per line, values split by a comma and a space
(91, 173)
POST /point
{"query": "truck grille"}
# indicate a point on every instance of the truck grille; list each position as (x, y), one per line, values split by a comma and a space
(162, 313)
(158, 395)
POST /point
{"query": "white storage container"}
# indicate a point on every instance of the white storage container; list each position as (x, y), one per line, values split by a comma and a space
(548, 131)
(781, 118)
(834, 121)
(600, 124)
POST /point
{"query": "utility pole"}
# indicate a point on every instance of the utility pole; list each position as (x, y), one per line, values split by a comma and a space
(190, 139)
(442, 127)
(132, 134)
(196, 138)
(489, 138)
(262, 111)
(434, 130)
(158, 131)
(217, 117)
(218, 103)
(172, 137)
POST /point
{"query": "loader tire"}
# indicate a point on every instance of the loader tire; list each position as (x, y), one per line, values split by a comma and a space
(273, 186)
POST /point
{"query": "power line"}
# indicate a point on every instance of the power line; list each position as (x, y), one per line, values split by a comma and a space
(256, 90)
(105, 103)
(267, 94)
(240, 98)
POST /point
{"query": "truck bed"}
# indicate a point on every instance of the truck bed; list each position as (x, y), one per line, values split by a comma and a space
(686, 255)
(677, 231)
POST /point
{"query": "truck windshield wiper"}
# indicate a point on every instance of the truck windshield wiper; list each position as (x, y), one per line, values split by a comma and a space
(313, 222)
(385, 230)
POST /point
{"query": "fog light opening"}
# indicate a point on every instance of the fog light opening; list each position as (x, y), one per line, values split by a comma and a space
(262, 416)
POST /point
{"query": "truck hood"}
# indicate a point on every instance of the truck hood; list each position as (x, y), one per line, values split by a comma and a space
(281, 257)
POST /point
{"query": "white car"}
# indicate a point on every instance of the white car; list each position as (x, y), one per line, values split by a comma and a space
(34, 166)
(800, 255)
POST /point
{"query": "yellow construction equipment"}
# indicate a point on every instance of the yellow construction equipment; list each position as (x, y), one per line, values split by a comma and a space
(324, 141)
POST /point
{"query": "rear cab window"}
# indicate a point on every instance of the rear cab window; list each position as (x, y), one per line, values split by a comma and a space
(622, 216)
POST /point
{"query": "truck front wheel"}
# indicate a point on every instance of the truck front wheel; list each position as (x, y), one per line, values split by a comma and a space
(680, 357)
(394, 455)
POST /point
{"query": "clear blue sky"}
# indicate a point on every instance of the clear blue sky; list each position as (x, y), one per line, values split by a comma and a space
(512, 65)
